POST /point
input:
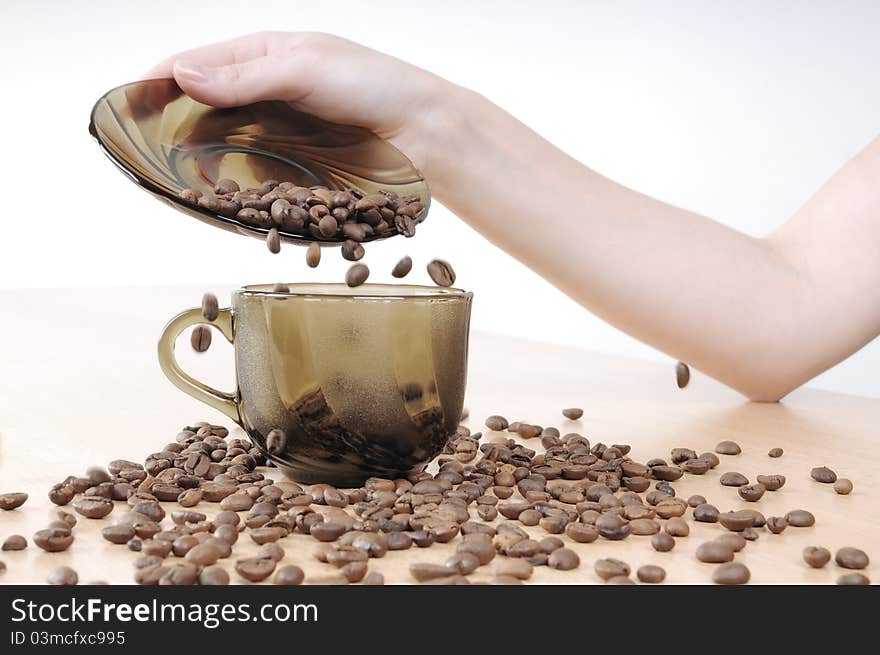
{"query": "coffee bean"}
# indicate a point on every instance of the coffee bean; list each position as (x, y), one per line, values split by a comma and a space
(772, 482)
(200, 338)
(651, 574)
(776, 524)
(441, 273)
(53, 540)
(737, 521)
(728, 448)
(357, 275)
(213, 576)
(563, 559)
(280, 287)
(276, 442)
(273, 241)
(424, 571)
(775, 452)
(93, 507)
(313, 255)
(706, 513)
(519, 569)
(682, 374)
(289, 575)
(853, 579)
(118, 534)
(609, 567)
(714, 552)
(667, 473)
(677, 527)
(226, 185)
(255, 569)
(15, 542)
(10, 501)
(696, 500)
(573, 413)
(823, 474)
(497, 423)
(662, 542)
(63, 575)
(752, 492)
(581, 533)
(328, 531)
(800, 518)
(851, 558)
(402, 269)
(732, 573)
(643, 527)
(816, 556)
(733, 479)
(843, 486)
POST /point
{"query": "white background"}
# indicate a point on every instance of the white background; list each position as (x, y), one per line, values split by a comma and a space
(736, 110)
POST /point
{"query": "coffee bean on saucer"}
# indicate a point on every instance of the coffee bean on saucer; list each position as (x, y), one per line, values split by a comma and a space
(15, 542)
(816, 556)
(441, 272)
(800, 518)
(843, 486)
(682, 374)
(273, 241)
(728, 448)
(276, 442)
(10, 501)
(651, 574)
(731, 573)
(210, 307)
(190, 195)
(63, 575)
(313, 255)
(357, 275)
(226, 185)
(352, 251)
(200, 339)
(853, 579)
(402, 267)
(823, 474)
(851, 558)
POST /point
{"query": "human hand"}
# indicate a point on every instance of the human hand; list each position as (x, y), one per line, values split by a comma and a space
(330, 77)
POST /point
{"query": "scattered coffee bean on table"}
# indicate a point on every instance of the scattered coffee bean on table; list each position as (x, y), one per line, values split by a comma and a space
(10, 501)
(728, 448)
(53, 540)
(772, 482)
(662, 542)
(289, 575)
(752, 492)
(800, 518)
(816, 556)
(651, 573)
(776, 524)
(200, 339)
(402, 267)
(733, 479)
(441, 272)
(313, 255)
(63, 575)
(573, 413)
(357, 275)
(610, 567)
(731, 573)
(497, 423)
(682, 374)
(823, 474)
(853, 579)
(843, 486)
(714, 552)
(213, 576)
(775, 452)
(851, 558)
(15, 542)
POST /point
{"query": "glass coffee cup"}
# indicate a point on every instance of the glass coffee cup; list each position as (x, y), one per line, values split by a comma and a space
(365, 381)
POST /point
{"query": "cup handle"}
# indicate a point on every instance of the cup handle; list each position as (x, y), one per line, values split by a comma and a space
(224, 402)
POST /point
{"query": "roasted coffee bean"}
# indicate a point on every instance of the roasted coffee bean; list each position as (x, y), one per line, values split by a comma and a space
(563, 559)
(213, 576)
(662, 542)
(843, 486)
(63, 575)
(667, 473)
(118, 534)
(424, 572)
(280, 287)
(15, 542)
(737, 521)
(800, 518)
(313, 255)
(273, 241)
(651, 574)
(357, 275)
(853, 579)
(816, 556)
(53, 540)
(328, 531)
(731, 573)
(714, 552)
(200, 338)
(289, 575)
(728, 448)
(772, 482)
(682, 374)
(609, 567)
(352, 251)
(204, 554)
(497, 423)
(851, 558)
(402, 269)
(225, 186)
(823, 474)
(752, 492)
(706, 513)
(573, 413)
(255, 569)
(733, 479)
(643, 527)
(276, 442)
(776, 524)
(677, 527)
(775, 452)
(441, 273)
(515, 568)
(10, 501)
(680, 455)
(581, 532)
(93, 507)
(696, 500)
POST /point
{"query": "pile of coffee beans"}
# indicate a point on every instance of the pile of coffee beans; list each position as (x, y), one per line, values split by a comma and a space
(497, 499)
(316, 212)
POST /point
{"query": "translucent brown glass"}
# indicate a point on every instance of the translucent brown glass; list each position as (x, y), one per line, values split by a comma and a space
(364, 382)
(166, 142)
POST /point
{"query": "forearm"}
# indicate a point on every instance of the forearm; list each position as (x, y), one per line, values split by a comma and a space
(729, 304)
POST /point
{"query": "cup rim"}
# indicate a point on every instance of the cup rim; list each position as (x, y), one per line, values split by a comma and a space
(342, 290)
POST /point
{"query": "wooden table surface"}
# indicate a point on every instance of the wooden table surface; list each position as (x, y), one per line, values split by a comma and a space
(80, 386)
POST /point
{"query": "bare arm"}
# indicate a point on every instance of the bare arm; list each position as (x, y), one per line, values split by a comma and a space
(762, 315)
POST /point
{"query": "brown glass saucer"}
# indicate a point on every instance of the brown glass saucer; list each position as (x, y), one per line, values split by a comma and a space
(166, 142)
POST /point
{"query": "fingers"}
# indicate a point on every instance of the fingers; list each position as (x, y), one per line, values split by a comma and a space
(234, 84)
(222, 53)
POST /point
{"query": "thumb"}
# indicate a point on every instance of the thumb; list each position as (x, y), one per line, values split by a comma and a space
(233, 85)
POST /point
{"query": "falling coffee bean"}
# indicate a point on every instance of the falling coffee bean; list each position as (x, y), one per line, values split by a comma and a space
(402, 268)
(357, 275)
(313, 255)
(200, 339)
(352, 251)
(441, 272)
(682, 374)
(273, 241)
(210, 307)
